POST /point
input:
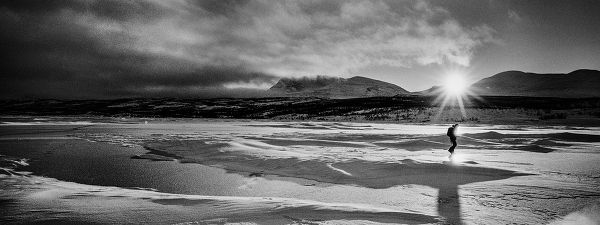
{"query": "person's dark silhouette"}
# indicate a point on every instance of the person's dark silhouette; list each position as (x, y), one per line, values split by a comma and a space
(449, 205)
(451, 133)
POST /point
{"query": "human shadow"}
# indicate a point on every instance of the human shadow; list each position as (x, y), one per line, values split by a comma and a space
(448, 205)
(446, 177)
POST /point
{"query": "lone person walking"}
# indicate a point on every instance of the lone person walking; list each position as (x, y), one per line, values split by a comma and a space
(451, 133)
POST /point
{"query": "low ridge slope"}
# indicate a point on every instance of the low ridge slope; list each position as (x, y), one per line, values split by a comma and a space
(333, 87)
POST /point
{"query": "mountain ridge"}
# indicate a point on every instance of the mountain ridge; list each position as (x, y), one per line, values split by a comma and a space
(578, 83)
(335, 87)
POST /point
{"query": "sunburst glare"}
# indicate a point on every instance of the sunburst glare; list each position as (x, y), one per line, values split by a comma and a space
(454, 92)
(455, 84)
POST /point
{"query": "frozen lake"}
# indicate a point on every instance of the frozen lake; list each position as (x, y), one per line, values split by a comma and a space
(206, 171)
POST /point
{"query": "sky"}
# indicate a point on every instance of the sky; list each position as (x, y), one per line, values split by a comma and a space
(223, 48)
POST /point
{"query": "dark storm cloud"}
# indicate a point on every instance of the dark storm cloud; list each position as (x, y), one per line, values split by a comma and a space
(113, 9)
(110, 48)
(78, 49)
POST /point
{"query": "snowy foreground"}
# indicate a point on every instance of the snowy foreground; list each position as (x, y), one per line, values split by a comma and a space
(67, 170)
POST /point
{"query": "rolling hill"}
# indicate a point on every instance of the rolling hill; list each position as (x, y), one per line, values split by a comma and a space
(333, 87)
(576, 84)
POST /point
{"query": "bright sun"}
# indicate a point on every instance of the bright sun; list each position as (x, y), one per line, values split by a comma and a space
(455, 84)
(455, 92)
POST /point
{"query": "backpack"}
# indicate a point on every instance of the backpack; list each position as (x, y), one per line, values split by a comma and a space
(450, 132)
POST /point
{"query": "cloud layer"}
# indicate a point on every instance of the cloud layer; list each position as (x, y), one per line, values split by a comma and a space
(110, 48)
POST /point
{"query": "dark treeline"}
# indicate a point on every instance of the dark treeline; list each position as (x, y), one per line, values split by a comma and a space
(266, 108)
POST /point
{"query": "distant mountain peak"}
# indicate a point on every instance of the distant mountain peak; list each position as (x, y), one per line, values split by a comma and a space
(360, 78)
(300, 84)
(579, 83)
(584, 71)
(510, 72)
(334, 87)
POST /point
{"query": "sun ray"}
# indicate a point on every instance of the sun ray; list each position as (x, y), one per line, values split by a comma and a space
(455, 92)
(461, 106)
(442, 107)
